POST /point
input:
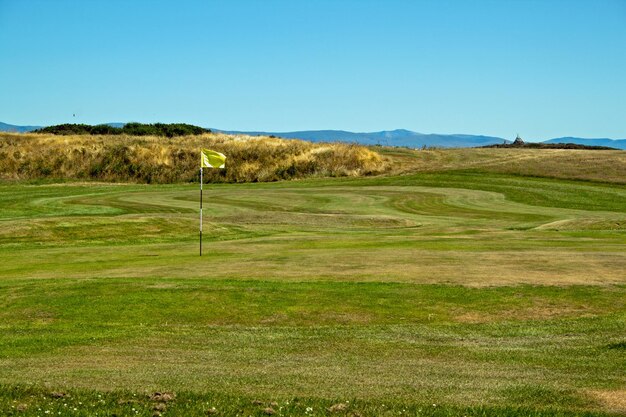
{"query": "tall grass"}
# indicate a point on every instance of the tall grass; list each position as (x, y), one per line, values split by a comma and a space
(158, 160)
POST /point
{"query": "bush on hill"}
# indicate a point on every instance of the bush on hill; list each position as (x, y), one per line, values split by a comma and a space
(133, 129)
(67, 129)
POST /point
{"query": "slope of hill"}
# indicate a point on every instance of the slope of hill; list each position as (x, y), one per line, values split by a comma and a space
(569, 164)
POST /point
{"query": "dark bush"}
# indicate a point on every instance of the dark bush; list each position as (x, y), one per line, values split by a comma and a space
(132, 129)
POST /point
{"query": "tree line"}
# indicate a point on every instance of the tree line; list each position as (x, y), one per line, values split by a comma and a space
(132, 129)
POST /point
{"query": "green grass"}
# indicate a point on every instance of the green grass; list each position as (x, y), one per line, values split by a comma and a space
(482, 293)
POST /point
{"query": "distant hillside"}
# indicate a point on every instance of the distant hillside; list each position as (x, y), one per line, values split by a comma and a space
(611, 143)
(398, 137)
(5, 127)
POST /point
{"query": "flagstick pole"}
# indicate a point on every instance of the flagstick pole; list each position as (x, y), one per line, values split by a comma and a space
(200, 211)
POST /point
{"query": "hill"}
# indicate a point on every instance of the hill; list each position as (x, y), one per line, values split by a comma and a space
(571, 164)
(260, 159)
(148, 159)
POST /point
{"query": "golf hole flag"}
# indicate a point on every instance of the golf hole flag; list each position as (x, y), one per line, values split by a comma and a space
(212, 159)
(209, 159)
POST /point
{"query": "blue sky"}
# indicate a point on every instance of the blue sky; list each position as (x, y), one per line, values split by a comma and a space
(543, 69)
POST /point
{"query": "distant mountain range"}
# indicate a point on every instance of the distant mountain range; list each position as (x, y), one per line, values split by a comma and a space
(398, 137)
(402, 137)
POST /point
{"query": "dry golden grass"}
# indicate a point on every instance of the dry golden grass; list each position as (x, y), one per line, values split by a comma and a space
(575, 164)
(159, 160)
(261, 159)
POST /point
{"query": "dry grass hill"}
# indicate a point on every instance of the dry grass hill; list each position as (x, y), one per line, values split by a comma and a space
(151, 159)
(159, 160)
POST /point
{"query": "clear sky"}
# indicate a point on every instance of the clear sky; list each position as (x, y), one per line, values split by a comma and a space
(543, 68)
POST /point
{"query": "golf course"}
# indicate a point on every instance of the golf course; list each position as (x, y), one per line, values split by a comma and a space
(460, 282)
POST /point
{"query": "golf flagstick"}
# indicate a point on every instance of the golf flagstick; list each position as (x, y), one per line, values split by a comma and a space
(209, 159)
(200, 211)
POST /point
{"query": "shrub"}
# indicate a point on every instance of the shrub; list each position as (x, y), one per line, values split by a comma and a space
(132, 129)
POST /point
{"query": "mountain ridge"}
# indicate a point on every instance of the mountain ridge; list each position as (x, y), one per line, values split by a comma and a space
(396, 137)
(5, 127)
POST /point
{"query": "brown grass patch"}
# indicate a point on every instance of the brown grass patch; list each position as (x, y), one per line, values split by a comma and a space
(613, 400)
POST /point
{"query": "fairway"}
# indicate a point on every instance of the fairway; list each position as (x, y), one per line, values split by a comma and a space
(464, 291)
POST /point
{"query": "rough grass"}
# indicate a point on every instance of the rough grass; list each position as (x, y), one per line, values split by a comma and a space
(161, 160)
(538, 348)
(604, 166)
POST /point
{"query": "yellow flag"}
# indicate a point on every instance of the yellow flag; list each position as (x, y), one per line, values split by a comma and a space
(212, 159)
